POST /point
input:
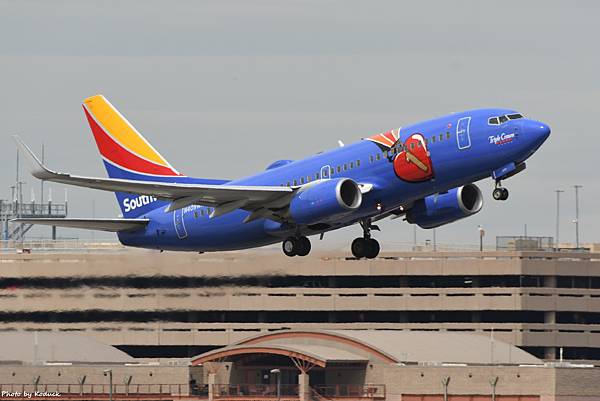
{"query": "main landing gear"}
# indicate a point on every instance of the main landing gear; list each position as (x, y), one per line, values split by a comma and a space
(500, 193)
(365, 246)
(296, 246)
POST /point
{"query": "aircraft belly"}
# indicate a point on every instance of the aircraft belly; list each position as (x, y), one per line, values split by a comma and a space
(186, 232)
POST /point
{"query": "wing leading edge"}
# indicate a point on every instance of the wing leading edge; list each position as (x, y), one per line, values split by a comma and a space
(224, 198)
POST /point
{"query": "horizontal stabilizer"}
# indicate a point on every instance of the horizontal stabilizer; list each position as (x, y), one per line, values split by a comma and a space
(112, 225)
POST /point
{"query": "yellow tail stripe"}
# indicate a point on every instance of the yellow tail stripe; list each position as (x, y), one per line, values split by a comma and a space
(121, 130)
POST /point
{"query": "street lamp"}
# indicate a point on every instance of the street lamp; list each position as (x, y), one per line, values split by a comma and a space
(108, 372)
(278, 373)
(576, 221)
(481, 234)
(558, 192)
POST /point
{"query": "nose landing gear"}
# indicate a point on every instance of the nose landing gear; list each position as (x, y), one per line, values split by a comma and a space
(365, 246)
(500, 193)
(296, 246)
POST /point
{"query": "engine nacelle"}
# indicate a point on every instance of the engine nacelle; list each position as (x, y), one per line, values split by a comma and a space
(323, 200)
(436, 210)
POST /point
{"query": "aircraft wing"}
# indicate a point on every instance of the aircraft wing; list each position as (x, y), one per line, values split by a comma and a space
(112, 225)
(224, 198)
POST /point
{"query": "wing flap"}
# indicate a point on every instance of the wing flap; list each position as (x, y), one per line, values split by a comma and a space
(111, 225)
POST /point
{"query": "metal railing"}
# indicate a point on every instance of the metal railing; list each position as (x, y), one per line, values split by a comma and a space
(524, 243)
(33, 209)
(254, 390)
(58, 246)
(101, 391)
(351, 391)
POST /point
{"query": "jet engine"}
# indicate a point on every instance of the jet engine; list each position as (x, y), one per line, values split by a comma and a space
(439, 209)
(323, 200)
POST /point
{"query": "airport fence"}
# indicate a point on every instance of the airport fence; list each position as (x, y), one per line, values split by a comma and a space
(58, 246)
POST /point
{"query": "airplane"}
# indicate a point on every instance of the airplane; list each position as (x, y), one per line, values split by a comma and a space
(424, 172)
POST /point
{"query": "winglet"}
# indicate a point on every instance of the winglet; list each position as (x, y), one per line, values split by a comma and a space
(37, 169)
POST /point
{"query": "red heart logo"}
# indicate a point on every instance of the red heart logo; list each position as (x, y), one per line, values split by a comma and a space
(413, 163)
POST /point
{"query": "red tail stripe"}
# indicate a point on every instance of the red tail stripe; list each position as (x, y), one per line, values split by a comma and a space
(116, 154)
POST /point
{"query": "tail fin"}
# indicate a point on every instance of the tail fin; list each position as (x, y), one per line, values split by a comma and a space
(126, 154)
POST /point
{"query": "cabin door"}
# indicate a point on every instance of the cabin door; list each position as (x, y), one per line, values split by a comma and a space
(463, 136)
(325, 172)
(179, 224)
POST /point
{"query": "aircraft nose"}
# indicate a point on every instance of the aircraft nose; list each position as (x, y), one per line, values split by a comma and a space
(537, 129)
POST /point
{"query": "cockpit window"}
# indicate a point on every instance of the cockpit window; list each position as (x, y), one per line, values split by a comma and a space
(502, 119)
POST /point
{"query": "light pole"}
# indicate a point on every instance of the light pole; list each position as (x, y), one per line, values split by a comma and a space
(558, 192)
(278, 373)
(108, 372)
(481, 234)
(576, 221)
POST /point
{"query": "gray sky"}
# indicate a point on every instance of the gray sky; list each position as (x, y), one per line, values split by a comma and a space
(224, 88)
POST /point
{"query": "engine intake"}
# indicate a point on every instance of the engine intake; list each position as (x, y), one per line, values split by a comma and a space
(436, 210)
(323, 200)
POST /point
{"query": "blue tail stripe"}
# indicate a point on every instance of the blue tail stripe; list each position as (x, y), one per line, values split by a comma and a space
(133, 205)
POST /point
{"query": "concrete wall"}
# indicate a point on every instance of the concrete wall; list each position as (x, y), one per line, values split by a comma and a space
(547, 300)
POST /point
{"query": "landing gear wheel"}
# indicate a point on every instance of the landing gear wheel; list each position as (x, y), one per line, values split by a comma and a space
(372, 248)
(296, 246)
(500, 193)
(359, 247)
(366, 247)
(290, 246)
(304, 246)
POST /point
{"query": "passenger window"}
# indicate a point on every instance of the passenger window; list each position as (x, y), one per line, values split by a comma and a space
(412, 146)
(419, 144)
(195, 214)
(302, 180)
(447, 135)
(288, 184)
(317, 176)
(345, 167)
(433, 139)
(331, 171)
(371, 158)
(378, 156)
(493, 121)
(441, 137)
(295, 182)
(351, 164)
(308, 178)
(358, 163)
(339, 169)
(502, 119)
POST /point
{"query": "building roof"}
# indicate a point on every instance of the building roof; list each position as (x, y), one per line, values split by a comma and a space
(359, 346)
(57, 347)
(443, 346)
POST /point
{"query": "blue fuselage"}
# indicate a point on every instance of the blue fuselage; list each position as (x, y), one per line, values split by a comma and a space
(462, 147)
